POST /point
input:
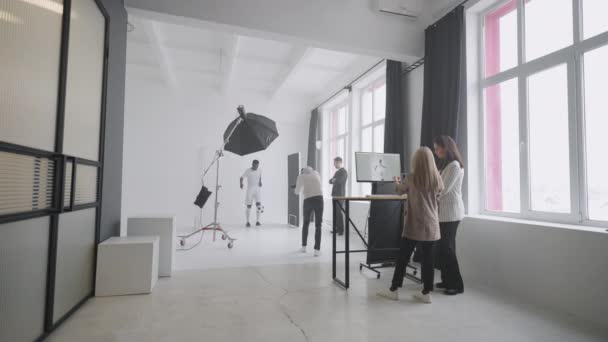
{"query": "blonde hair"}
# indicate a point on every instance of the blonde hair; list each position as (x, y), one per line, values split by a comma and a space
(424, 173)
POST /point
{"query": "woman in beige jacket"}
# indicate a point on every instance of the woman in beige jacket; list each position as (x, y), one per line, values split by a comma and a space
(421, 222)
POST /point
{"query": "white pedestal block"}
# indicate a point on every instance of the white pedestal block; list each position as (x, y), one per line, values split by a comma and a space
(164, 228)
(127, 265)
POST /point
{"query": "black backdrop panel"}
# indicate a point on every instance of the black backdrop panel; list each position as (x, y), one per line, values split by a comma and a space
(385, 222)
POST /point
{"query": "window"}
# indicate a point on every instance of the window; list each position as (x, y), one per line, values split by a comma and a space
(500, 36)
(373, 112)
(502, 147)
(548, 140)
(594, 17)
(354, 122)
(596, 119)
(337, 140)
(548, 26)
(543, 110)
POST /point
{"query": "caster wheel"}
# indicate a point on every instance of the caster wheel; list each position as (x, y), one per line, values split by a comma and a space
(378, 276)
(182, 242)
(223, 237)
(230, 245)
(360, 268)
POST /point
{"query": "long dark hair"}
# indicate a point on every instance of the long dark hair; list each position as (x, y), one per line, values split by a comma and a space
(452, 153)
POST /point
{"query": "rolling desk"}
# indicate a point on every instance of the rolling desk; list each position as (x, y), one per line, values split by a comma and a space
(336, 205)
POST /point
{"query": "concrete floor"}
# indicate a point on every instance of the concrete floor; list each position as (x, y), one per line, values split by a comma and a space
(263, 290)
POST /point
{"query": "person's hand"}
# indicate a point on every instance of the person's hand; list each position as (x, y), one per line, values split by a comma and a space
(397, 180)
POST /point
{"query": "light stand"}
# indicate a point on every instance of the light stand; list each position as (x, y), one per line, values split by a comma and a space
(215, 225)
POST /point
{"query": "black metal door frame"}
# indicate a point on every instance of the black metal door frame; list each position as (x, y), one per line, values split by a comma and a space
(60, 160)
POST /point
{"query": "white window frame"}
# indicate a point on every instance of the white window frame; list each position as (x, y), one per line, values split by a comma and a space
(572, 57)
(328, 139)
(375, 84)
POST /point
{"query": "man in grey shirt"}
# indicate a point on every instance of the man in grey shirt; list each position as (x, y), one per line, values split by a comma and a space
(309, 184)
(339, 189)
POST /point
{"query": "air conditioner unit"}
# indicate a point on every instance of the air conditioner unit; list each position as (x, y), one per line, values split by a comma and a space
(407, 8)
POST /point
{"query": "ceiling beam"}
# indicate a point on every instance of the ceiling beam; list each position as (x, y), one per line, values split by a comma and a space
(297, 56)
(228, 58)
(152, 31)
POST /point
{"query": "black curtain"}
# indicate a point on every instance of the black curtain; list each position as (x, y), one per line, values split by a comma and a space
(444, 103)
(444, 100)
(313, 136)
(394, 139)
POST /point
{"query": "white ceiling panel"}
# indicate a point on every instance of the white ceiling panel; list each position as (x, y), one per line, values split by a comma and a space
(331, 59)
(309, 80)
(180, 36)
(193, 59)
(264, 49)
(252, 70)
(141, 53)
(144, 73)
(137, 34)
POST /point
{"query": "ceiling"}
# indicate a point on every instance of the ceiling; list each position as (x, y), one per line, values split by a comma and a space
(189, 57)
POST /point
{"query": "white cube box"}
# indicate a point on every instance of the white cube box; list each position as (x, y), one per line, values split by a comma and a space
(164, 227)
(127, 265)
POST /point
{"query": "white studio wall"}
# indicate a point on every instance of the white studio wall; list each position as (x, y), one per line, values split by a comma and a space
(549, 265)
(170, 138)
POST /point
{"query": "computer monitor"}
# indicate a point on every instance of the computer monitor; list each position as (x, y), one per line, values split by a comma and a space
(377, 167)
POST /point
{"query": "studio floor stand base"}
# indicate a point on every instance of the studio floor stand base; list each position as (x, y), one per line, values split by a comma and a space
(215, 228)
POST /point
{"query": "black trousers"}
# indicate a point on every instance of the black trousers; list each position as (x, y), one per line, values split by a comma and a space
(450, 271)
(313, 204)
(340, 219)
(405, 253)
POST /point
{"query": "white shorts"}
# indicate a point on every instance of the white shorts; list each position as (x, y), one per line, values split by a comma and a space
(254, 195)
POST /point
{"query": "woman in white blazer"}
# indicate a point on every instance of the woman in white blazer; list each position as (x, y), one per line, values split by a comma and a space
(451, 212)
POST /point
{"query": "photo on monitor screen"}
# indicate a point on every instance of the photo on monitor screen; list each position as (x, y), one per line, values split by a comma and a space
(377, 167)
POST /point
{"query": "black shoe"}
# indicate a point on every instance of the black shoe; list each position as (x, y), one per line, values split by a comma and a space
(258, 224)
(440, 286)
(338, 233)
(452, 292)
(248, 225)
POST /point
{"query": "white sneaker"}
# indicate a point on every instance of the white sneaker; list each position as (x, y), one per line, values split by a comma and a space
(317, 252)
(303, 249)
(392, 295)
(425, 298)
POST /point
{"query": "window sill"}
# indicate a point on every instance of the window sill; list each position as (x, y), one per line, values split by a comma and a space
(592, 229)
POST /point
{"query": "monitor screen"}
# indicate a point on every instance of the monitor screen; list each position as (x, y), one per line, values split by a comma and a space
(377, 167)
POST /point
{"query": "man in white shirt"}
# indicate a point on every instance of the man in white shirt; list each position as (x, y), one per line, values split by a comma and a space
(254, 191)
(309, 184)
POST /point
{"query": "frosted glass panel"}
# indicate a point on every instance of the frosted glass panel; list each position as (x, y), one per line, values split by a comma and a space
(30, 33)
(86, 184)
(75, 260)
(548, 139)
(596, 119)
(84, 81)
(67, 192)
(26, 183)
(23, 263)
